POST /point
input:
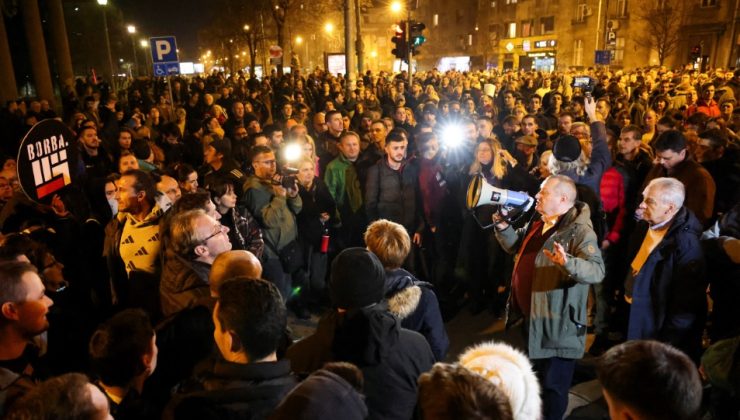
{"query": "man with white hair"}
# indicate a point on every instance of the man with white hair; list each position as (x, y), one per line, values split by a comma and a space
(666, 284)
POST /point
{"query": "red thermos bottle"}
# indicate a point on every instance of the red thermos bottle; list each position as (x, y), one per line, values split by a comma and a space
(325, 241)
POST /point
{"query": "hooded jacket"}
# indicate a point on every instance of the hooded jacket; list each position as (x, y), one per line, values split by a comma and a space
(668, 296)
(558, 315)
(391, 358)
(322, 395)
(415, 304)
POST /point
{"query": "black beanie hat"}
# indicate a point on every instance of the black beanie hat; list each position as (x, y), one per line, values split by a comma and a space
(567, 149)
(357, 279)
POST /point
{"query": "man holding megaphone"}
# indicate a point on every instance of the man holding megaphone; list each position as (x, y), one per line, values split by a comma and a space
(557, 257)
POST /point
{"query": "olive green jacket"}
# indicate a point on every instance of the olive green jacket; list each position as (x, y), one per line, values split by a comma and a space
(275, 214)
(558, 315)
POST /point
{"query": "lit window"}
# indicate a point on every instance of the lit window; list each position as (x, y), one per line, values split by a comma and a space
(708, 3)
(436, 19)
(621, 8)
(578, 52)
(511, 30)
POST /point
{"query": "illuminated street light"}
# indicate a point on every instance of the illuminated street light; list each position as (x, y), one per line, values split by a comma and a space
(144, 43)
(246, 27)
(132, 30)
(329, 27)
(107, 37)
(396, 7)
(298, 40)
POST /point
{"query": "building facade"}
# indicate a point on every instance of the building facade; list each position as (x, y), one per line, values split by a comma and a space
(558, 34)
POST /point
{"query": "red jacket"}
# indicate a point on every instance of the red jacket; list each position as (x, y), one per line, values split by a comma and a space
(612, 191)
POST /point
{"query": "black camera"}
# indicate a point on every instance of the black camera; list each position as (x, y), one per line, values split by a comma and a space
(585, 83)
(286, 179)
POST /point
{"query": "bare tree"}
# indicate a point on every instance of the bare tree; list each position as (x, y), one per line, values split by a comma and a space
(663, 19)
(234, 28)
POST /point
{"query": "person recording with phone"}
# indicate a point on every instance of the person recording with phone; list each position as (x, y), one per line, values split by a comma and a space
(557, 258)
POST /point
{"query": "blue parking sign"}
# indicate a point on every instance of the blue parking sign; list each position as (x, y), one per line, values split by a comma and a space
(164, 55)
(164, 49)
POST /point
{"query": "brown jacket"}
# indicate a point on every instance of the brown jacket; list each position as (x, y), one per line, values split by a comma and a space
(699, 185)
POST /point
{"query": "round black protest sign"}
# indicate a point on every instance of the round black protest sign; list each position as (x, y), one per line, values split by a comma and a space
(47, 160)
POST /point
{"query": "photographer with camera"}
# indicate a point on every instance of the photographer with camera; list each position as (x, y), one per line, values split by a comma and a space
(274, 201)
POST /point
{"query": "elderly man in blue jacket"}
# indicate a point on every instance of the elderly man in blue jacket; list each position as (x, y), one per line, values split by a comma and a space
(666, 284)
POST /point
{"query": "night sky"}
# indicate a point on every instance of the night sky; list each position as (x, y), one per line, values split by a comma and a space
(181, 18)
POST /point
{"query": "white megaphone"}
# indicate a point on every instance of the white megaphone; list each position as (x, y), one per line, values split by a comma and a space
(481, 193)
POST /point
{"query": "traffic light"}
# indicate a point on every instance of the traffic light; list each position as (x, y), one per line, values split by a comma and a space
(399, 39)
(416, 32)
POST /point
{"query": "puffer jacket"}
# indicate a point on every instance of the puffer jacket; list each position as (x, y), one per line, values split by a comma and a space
(558, 315)
(416, 305)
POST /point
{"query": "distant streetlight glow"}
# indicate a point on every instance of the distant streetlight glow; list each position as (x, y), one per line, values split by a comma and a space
(103, 2)
(144, 43)
(329, 27)
(246, 27)
(131, 29)
(298, 40)
(396, 7)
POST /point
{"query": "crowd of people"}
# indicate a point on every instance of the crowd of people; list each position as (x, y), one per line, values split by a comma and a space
(209, 209)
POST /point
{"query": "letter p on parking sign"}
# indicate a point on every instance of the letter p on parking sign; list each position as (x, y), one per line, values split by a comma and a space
(164, 49)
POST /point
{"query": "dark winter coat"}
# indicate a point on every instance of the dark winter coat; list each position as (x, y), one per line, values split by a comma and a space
(668, 296)
(316, 200)
(391, 358)
(183, 283)
(234, 391)
(416, 305)
(393, 195)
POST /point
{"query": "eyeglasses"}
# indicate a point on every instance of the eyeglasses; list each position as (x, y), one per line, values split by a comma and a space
(219, 230)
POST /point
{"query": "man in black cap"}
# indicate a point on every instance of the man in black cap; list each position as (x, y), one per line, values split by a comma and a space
(360, 330)
(218, 163)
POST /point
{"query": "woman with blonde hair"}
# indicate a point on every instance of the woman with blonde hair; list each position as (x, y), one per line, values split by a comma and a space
(309, 152)
(431, 93)
(486, 266)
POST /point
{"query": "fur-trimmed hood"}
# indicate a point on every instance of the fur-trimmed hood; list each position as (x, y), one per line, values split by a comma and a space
(510, 370)
(402, 292)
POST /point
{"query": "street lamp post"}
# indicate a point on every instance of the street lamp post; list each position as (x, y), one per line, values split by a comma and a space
(299, 41)
(107, 38)
(145, 44)
(132, 30)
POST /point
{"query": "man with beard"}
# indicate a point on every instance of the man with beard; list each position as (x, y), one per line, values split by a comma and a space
(391, 189)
